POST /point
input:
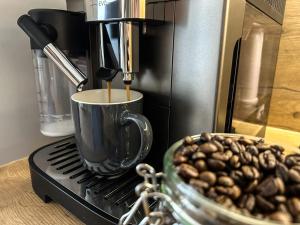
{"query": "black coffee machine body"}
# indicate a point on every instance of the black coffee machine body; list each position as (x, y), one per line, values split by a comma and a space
(201, 65)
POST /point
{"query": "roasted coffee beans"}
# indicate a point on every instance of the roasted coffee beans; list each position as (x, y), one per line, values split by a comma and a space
(244, 175)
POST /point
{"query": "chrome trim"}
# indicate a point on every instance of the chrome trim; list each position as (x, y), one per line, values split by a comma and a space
(129, 47)
(101, 46)
(64, 64)
(103, 10)
(232, 32)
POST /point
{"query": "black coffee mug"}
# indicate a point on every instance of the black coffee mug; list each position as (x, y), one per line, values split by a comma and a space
(111, 136)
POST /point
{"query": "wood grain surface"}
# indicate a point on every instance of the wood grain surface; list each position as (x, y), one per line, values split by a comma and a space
(20, 205)
(285, 103)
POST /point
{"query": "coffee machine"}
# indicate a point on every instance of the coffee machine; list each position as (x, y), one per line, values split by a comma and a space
(201, 65)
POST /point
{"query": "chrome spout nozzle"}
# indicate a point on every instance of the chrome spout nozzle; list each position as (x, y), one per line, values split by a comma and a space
(129, 48)
(128, 78)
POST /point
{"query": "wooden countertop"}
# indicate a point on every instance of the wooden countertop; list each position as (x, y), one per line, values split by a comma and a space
(19, 205)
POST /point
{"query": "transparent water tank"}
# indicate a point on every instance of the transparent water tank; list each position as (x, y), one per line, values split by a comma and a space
(53, 95)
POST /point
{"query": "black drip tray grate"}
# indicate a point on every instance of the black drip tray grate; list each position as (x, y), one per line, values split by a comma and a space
(58, 174)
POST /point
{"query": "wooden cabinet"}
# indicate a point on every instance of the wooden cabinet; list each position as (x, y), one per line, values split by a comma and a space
(285, 104)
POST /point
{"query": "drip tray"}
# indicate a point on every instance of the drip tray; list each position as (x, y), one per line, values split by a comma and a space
(58, 175)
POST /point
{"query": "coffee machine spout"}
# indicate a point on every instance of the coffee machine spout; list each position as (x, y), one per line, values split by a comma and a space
(32, 29)
(129, 49)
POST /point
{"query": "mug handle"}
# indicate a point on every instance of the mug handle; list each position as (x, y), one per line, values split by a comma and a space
(146, 137)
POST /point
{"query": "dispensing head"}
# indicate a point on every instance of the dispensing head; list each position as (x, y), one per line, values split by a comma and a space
(129, 14)
(128, 64)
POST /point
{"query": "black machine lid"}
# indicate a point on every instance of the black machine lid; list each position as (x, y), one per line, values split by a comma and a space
(68, 30)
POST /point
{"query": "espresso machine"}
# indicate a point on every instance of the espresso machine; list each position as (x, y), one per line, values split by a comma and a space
(201, 65)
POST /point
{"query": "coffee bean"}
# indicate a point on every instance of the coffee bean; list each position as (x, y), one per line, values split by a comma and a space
(225, 181)
(235, 161)
(252, 150)
(235, 192)
(263, 204)
(280, 199)
(281, 158)
(251, 186)
(198, 155)
(200, 165)
(219, 145)
(276, 153)
(188, 150)
(238, 177)
(208, 148)
(235, 148)
(211, 193)
(245, 157)
(282, 172)
(294, 175)
(293, 205)
(262, 147)
(228, 153)
(188, 140)
(282, 217)
(224, 200)
(208, 177)
(222, 190)
(292, 160)
(280, 185)
(250, 172)
(216, 165)
(255, 162)
(267, 160)
(205, 137)
(195, 147)
(278, 147)
(267, 187)
(199, 184)
(221, 173)
(219, 138)
(245, 141)
(297, 168)
(178, 159)
(187, 171)
(220, 156)
(228, 141)
(247, 201)
(241, 147)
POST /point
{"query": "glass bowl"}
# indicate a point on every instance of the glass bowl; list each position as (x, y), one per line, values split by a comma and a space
(194, 208)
